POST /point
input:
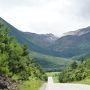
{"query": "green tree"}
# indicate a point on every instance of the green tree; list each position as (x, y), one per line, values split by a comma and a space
(74, 65)
(15, 58)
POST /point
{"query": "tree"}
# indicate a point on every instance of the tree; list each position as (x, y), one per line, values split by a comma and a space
(74, 65)
(15, 58)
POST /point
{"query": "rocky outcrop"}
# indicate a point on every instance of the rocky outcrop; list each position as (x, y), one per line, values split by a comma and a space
(8, 83)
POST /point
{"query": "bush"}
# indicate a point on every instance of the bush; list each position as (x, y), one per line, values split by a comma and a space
(81, 72)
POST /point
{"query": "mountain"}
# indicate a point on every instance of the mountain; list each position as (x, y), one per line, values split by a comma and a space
(25, 39)
(46, 58)
(78, 32)
(48, 49)
(20, 36)
(77, 44)
(43, 40)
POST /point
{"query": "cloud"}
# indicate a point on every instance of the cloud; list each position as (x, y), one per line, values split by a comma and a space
(46, 16)
(14, 3)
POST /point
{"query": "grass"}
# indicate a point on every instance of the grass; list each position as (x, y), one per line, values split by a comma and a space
(31, 85)
(85, 81)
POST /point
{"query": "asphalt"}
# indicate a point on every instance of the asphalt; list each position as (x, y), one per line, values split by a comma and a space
(50, 85)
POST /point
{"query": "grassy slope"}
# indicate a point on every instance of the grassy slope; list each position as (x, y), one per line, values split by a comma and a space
(51, 63)
(31, 85)
(85, 81)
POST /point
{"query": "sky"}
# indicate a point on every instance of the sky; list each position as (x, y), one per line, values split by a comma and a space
(46, 16)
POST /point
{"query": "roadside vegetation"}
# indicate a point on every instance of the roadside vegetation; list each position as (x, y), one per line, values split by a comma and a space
(84, 81)
(77, 73)
(55, 76)
(16, 63)
(31, 85)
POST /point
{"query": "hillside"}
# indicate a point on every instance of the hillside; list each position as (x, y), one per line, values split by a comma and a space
(51, 63)
(20, 36)
(25, 39)
(73, 45)
(49, 49)
(46, 58)
(43, 40)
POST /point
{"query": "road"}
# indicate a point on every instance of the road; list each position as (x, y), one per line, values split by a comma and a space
(62, 86)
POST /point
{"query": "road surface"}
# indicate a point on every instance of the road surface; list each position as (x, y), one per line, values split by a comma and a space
(62, 86)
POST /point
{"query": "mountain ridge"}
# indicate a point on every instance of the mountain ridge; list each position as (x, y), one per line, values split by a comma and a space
(73, 45)
(66, 46)
(47, 59)
(44, 40)
(23, 38)
(78, 32)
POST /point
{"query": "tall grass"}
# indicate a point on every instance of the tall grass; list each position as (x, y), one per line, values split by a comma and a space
(31, 85)
(85, 81)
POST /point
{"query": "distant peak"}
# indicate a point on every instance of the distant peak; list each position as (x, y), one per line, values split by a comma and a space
(78, 32)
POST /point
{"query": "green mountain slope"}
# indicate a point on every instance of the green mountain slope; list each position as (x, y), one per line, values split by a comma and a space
(20, 36)
(73, 45)
(23, 38)
(41, 55)
(51, 63)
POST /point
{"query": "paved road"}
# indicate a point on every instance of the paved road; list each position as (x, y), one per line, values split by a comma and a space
(62, 86)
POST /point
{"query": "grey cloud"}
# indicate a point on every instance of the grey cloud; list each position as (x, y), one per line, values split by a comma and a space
(80, 7)
(9, 4)
(83, 8)
(71, 18)
(21, 2)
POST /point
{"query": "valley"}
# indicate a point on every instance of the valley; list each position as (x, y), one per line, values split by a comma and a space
(49, 60)
(32, 57)
(47, 48)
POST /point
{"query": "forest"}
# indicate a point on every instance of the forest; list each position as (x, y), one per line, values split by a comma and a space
(16, 65)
